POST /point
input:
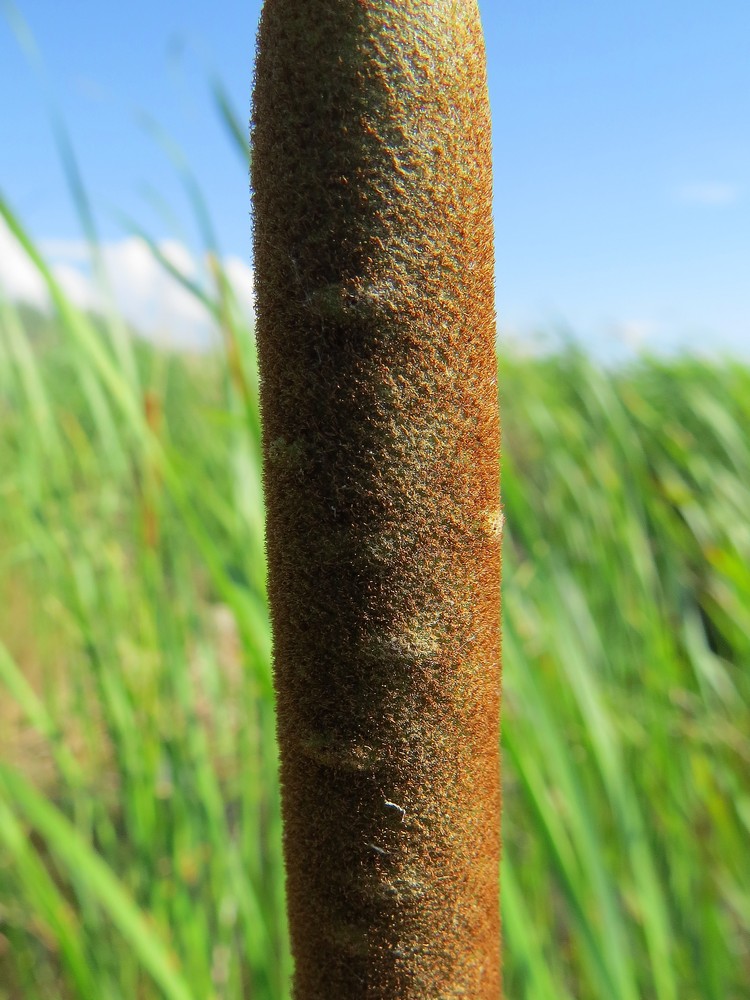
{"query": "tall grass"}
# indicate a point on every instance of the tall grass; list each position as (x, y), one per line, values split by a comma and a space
(139, 824)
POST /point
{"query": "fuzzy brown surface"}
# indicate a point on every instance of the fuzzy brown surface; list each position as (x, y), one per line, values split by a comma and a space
(376, 333)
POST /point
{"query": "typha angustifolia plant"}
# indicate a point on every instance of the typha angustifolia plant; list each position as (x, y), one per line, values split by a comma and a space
(373, 244)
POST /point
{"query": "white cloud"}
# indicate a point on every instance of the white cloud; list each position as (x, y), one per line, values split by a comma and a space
(242, 279)
(179, 257)
(144, 292)
(713, 194)
(19, 279)
(77, 286)
(70, 251)
(636, 333)
(149, 297)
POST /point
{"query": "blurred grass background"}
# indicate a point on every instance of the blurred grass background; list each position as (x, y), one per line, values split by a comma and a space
(139, 822)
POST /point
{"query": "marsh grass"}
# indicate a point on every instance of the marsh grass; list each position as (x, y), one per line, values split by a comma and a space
(139, 824)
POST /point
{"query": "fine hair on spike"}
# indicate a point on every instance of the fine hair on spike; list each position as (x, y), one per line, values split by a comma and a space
(373, 241)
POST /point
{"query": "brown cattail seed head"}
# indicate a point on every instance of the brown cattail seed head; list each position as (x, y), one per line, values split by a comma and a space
(376, 335)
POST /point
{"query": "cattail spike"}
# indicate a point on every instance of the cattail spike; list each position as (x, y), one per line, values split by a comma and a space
(376, 336)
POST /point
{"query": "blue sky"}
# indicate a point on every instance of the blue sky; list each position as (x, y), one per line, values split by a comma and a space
(621, 138)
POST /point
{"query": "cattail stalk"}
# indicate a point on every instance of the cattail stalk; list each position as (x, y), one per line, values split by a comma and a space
(151, 487)
(376, 336)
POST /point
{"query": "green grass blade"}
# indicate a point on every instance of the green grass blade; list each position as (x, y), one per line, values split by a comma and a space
(66, 843)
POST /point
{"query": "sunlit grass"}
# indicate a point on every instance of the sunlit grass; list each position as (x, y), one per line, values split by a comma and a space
(139, 825)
